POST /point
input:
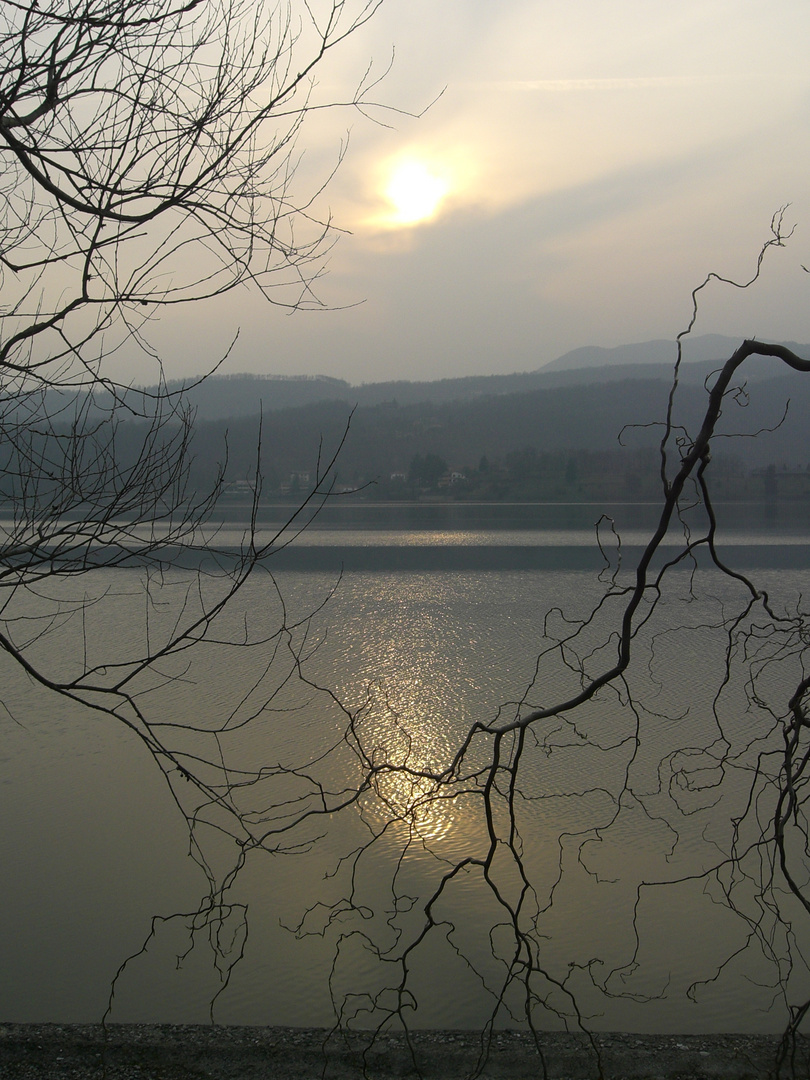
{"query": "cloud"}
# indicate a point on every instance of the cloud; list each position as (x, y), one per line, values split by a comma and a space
(600, 159)
(500, 145)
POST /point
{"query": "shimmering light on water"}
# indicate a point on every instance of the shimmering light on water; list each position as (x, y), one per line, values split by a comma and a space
(95, 848)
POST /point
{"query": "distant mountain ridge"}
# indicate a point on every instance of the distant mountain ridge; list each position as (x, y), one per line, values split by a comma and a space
(241, 395)
(706, 347)
(565, 421)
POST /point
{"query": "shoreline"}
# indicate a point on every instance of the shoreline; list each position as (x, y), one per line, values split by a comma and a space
(393, 558)
(202, 1052)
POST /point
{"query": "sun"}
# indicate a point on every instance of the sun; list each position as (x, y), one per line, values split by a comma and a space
(415, 192)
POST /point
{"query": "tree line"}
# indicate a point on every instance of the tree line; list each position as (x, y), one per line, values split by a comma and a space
(576, 442)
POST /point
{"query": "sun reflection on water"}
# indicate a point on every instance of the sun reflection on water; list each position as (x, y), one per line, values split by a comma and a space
(405, 734)
(418, 804)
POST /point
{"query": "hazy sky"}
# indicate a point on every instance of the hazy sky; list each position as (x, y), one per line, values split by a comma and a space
(586, 165)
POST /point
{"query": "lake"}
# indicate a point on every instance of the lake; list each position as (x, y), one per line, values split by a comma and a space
(417, 647)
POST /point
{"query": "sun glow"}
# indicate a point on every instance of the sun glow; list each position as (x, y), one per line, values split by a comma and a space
(415, 192)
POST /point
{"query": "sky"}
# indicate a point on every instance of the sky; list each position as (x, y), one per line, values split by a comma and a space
(582, 167)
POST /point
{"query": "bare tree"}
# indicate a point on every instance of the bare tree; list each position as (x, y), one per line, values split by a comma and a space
(149, 160)
(746, 763)
(722, 785)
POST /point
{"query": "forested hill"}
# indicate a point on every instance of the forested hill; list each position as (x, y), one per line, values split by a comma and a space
(223, 396)
(540, 441)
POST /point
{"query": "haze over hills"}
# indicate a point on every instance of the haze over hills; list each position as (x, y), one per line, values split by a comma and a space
(588, 424)
(706, 347)
(553, 424)
(245, 395)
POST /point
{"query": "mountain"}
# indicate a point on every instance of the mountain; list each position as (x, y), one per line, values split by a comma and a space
(383, 439)
(707, 347)
(525, 435)
(232, 396)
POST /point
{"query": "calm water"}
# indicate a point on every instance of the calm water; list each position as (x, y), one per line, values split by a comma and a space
(93, 846)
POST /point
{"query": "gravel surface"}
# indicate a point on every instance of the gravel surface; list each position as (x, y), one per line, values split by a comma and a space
(168, 1052)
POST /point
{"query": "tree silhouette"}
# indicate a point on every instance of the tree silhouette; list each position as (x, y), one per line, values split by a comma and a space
(604, 726)
(149, 161)
(148, 153)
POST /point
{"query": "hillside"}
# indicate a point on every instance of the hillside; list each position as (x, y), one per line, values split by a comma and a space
(558, 442)
(222, 396)
(575, 432)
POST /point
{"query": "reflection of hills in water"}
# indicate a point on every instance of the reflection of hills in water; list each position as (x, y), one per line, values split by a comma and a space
(462, 536)
(521, 537)
(548, 557)
(505, 523)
